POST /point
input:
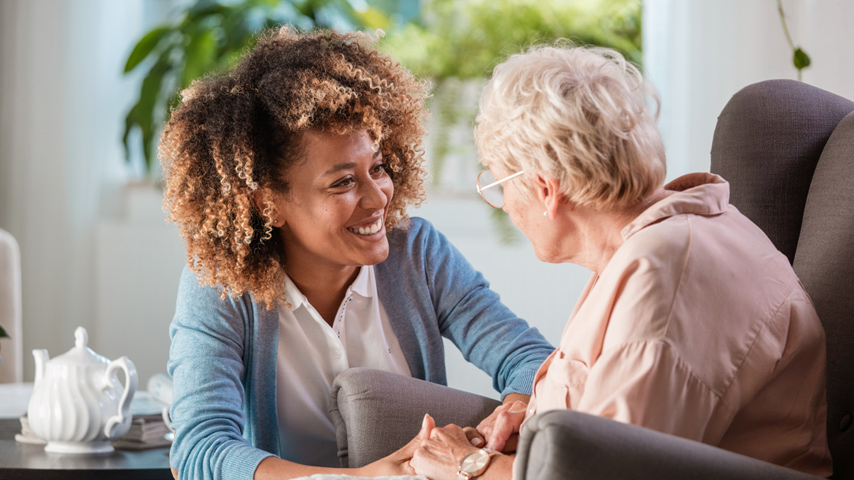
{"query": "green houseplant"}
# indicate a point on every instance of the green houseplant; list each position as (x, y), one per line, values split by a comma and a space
(208, 37)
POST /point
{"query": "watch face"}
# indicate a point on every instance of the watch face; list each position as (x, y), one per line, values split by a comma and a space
(475, 462)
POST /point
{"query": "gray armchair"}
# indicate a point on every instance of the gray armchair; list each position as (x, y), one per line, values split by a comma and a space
(787, 150)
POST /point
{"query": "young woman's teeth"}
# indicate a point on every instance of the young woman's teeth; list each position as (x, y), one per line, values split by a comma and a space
(370, 229)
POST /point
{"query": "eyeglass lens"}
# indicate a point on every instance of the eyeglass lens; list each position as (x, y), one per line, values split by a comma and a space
(494, 195)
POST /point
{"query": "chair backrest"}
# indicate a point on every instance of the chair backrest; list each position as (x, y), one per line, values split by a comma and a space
(11, 350)
(787, 150)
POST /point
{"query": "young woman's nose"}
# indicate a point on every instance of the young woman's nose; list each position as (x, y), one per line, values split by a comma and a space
(373, 195)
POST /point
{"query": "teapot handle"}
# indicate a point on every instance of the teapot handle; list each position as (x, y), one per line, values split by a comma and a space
(127, 365)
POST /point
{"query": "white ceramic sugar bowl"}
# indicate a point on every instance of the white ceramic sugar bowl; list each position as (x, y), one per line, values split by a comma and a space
(78, 404)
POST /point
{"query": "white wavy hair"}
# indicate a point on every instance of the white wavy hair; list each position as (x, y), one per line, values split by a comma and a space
(578, 115)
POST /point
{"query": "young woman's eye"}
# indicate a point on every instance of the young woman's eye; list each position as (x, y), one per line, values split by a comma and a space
(344, 182)
(381, 168)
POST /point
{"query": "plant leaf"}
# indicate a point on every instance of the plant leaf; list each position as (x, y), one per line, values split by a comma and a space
(145, 46)
(199, 56)
(141, 114)
(801, 59)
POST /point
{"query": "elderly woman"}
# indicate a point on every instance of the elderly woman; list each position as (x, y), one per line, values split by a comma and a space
(289, 179)
(692, 323)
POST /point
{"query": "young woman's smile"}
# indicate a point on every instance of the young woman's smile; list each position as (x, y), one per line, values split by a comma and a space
(368, 229)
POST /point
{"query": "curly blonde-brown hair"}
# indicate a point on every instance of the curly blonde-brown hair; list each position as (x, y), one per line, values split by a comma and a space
(235, 136)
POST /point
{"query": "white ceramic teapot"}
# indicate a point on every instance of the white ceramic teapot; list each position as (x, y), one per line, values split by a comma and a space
(78, 404)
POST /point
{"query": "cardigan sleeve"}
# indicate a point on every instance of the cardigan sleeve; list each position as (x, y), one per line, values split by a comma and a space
(206, 365)
(472, 316)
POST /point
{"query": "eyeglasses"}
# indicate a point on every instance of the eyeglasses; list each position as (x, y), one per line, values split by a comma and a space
(490, 189)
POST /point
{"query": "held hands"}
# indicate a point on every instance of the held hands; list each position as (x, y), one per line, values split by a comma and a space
(438, 456)
(436, 452)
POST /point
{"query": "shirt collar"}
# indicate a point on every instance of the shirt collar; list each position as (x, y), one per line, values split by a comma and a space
(292, 293)
(363, 285)
(696, 193)
(363, 282)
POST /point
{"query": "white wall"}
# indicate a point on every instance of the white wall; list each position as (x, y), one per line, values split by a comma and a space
(90, 261)
(61, 161)
(701, 52)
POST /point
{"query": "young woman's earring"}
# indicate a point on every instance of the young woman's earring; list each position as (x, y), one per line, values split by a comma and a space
(545, 213)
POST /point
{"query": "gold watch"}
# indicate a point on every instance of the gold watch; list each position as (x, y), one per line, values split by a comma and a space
(474, 463)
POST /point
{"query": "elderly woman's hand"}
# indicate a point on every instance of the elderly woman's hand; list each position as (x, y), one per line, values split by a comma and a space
(439, 456)
(501, 428)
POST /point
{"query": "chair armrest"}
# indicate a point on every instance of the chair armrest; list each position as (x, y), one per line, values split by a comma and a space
(568, 444)
(375, 412)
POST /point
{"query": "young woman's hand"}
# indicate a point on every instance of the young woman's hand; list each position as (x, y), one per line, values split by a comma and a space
(501, 428)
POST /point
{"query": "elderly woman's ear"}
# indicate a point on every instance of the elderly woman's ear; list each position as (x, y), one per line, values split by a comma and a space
(549, 192)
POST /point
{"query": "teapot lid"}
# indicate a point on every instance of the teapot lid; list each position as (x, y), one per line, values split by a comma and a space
(81, 354)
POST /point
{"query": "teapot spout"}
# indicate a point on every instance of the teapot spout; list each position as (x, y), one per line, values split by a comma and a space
(41, 357)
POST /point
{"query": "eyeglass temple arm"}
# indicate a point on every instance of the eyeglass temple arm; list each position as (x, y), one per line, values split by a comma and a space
(498, 182)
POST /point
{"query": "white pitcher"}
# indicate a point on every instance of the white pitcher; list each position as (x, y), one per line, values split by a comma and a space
(78, 404)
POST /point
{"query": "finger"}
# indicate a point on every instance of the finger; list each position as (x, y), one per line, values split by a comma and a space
(474, 437)
(486, 425)
(507, 424)
(496, 441)
(501, 431)
(488, 421)
(427, 426)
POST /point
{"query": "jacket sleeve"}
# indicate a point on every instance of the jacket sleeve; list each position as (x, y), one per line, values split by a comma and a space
(206, 365)
(472, 316)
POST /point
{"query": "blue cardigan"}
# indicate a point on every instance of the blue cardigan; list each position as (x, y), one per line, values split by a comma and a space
(223, 353)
